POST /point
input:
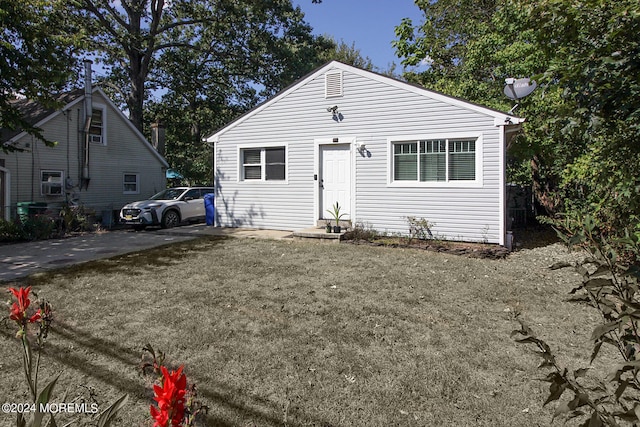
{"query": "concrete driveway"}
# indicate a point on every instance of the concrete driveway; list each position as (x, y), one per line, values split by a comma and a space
(23, 259)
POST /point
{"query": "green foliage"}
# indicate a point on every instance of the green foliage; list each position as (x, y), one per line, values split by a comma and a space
(110, 414)
(609, 285)
(348, 54)
(336, 212)
(37, 227)
(579, 145)
(42, 227)
(36, 52)
(42, 319)
(219, 48)
(76, 218)
(220, 67)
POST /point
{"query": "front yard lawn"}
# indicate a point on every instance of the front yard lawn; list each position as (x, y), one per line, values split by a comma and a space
(280, 333)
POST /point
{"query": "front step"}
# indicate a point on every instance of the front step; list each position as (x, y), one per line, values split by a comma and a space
(319, 233)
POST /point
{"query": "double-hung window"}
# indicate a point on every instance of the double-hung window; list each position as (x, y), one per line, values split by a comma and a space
(97, 129)
(131, 183)
(435, 160)
(263, 164)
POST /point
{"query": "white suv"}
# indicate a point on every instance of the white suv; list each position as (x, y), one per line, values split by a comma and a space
(168, 208)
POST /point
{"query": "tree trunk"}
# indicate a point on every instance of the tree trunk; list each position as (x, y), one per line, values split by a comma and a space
(544, 188)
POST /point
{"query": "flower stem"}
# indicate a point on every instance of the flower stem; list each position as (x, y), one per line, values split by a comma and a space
(28, 367)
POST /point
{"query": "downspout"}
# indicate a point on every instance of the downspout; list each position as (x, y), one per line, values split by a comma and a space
(88, 110)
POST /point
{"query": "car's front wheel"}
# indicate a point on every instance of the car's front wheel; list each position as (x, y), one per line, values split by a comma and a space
(171, 218)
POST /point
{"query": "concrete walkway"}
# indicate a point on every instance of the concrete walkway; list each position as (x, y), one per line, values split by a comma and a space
(23, 259)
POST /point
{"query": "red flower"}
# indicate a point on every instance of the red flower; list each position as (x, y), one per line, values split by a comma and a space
(19, 309)
(170, 398)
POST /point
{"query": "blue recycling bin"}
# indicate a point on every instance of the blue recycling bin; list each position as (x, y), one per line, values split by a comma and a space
(209, 208)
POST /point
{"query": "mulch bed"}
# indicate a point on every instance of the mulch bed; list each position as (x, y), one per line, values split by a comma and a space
(471, 250)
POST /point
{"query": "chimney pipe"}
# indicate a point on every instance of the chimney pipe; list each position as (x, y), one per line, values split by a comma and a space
(157, 136)
(88, 105)
(88, 111)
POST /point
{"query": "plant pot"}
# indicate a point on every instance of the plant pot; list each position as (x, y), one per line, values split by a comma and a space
(337, 228)
(328, 229)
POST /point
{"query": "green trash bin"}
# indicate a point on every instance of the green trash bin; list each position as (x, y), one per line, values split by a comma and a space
(23, 211)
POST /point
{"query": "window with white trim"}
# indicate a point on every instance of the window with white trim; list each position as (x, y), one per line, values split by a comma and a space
(264, 164)
(51, 182)
(97, 129)
(435, 160)
(131, 183)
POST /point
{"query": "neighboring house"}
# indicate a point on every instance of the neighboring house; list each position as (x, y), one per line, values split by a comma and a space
(384, 149)
(102, 169)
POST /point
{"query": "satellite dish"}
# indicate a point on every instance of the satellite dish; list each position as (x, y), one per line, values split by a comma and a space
(519, 88)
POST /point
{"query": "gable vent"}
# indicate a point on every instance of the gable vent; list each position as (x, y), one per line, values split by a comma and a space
(333, 84)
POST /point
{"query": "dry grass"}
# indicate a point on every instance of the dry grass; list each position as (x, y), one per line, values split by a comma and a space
(294, 334)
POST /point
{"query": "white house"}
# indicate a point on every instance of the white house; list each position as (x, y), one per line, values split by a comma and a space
(382, 148)
(102, 163)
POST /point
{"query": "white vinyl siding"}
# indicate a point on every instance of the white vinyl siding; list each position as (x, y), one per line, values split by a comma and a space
(377, 111)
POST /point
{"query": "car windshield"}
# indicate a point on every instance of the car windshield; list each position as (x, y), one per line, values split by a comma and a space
(168, 194)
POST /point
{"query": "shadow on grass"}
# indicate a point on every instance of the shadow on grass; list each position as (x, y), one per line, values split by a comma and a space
(85, 346)
(535, 236)
(134, 263)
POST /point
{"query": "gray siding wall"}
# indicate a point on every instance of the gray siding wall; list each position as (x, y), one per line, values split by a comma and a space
(372, 112)
(124, 152)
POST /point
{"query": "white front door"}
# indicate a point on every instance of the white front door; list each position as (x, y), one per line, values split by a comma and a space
(335, 179)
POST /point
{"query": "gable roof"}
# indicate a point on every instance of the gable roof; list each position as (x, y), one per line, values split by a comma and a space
(501, 118)
(37, 115)
(33, 112)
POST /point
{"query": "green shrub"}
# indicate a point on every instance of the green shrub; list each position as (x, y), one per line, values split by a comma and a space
(362, 231)
(610, 281)
(76, 218)
(10, 231)
(38, 227)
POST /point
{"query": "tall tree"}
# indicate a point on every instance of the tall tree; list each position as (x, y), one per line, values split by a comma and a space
(348, 54)
(584, 115)
(229, 66)
(131, 38)
(36, 58)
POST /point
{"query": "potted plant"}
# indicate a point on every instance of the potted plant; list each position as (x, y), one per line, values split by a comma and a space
(335, 211)
(327, 227)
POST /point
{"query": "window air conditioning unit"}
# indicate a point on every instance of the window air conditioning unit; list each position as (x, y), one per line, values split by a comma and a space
(96, 138)
(51, 188)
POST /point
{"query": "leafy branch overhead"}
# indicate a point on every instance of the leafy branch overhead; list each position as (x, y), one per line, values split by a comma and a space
(37, 50)
(224, 44)
(579, 145)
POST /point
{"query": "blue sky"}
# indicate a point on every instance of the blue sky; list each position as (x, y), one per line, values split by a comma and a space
(370, 24)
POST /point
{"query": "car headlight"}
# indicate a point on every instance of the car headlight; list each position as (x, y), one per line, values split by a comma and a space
(148, 208)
